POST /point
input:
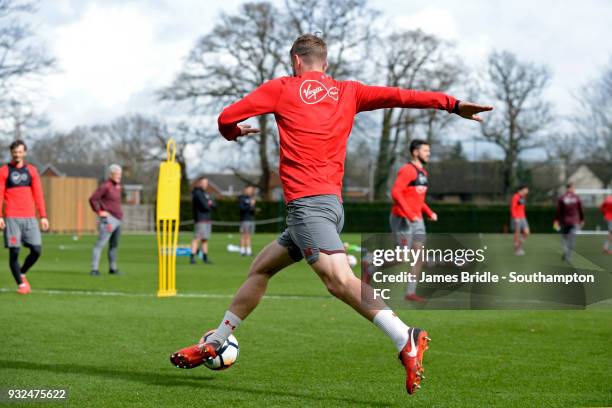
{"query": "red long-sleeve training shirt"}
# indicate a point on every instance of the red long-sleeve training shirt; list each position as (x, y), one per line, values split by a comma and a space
(408, 193)
(314, 114)
(606, 208)
(517, 206)
(22, 192)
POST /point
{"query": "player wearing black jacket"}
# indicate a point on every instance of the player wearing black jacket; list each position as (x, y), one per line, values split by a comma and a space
(203, 205)
(246, 204)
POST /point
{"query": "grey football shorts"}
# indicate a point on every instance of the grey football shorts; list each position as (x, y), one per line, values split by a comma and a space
(20, 231)
(313, 227)
(407, 233)
(247, 227)
(609, 225)
(202, 230)
(519, 224)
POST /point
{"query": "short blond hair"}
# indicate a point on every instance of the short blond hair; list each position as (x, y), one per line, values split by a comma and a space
(310, 48)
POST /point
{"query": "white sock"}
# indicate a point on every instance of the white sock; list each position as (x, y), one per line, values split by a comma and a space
(227, 326)
(249, 251)
(411, 287)
(392, 326)
(242, 250)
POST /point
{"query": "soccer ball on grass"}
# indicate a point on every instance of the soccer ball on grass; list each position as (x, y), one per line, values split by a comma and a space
(227, 354)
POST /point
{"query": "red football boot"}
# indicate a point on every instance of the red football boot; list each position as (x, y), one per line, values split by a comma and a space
(411, 357)
(413, 297)
(193, 356)
(25, 280)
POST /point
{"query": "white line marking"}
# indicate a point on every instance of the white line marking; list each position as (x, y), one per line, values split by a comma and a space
(152, 295)
(432, 301)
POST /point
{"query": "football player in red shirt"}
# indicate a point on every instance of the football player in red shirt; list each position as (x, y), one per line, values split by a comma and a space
(314, 114)
(606, 210)
(519, 223)
(22, 192)
(409, 205)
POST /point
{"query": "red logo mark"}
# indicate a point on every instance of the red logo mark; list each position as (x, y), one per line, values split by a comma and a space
(109, 228)
(13, 240)
(227, 323)
(307, 251)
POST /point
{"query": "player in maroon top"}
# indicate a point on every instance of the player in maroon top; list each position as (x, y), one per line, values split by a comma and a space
(519, 223)
(606, 210)
(569, 219)
(314, 114)
(21, 192)
(106, 203)
(408, 194)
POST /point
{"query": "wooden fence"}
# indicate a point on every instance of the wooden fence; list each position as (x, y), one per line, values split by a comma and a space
(67, 200)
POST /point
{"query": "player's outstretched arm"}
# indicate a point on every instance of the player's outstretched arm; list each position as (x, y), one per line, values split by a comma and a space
(469, 110)
(380, 97)
(259, 102)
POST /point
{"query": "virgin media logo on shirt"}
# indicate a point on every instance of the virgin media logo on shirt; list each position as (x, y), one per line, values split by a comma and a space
(17, 177)
(312, 91)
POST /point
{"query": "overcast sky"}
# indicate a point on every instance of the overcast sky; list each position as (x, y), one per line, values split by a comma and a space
(112, 54)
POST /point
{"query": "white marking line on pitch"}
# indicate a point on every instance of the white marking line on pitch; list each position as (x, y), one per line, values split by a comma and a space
(273, 297)
(136, 294)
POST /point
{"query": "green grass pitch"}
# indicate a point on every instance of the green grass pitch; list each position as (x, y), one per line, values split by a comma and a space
(301, 347)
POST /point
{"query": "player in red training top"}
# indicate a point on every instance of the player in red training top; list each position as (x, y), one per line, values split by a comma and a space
(22, 192)
(408, 194)
(314, 114)
(569, 219)
(518, 221)
(606, 210)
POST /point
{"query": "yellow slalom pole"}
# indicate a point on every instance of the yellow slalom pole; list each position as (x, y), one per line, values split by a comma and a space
(174, 245)
(167, 220)
(160, 257)
(163, 283)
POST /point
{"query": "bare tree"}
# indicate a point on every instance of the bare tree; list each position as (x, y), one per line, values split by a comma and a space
(415, 60)
(246, 49)
(80, 145)
(242, 51)
(593, 124)
(346, 25)
(138, 143)
(454, 152)
(22, 63)
(21, 119)
(521, 114)
(561, 148)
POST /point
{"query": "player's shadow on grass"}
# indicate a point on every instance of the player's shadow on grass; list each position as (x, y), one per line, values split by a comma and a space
(173, 380)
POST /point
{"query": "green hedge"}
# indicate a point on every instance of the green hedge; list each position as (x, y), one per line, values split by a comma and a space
(460, 218)
(374, 217)
(227, 210)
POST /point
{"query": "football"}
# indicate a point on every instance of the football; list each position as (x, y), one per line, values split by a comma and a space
(227, 354)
